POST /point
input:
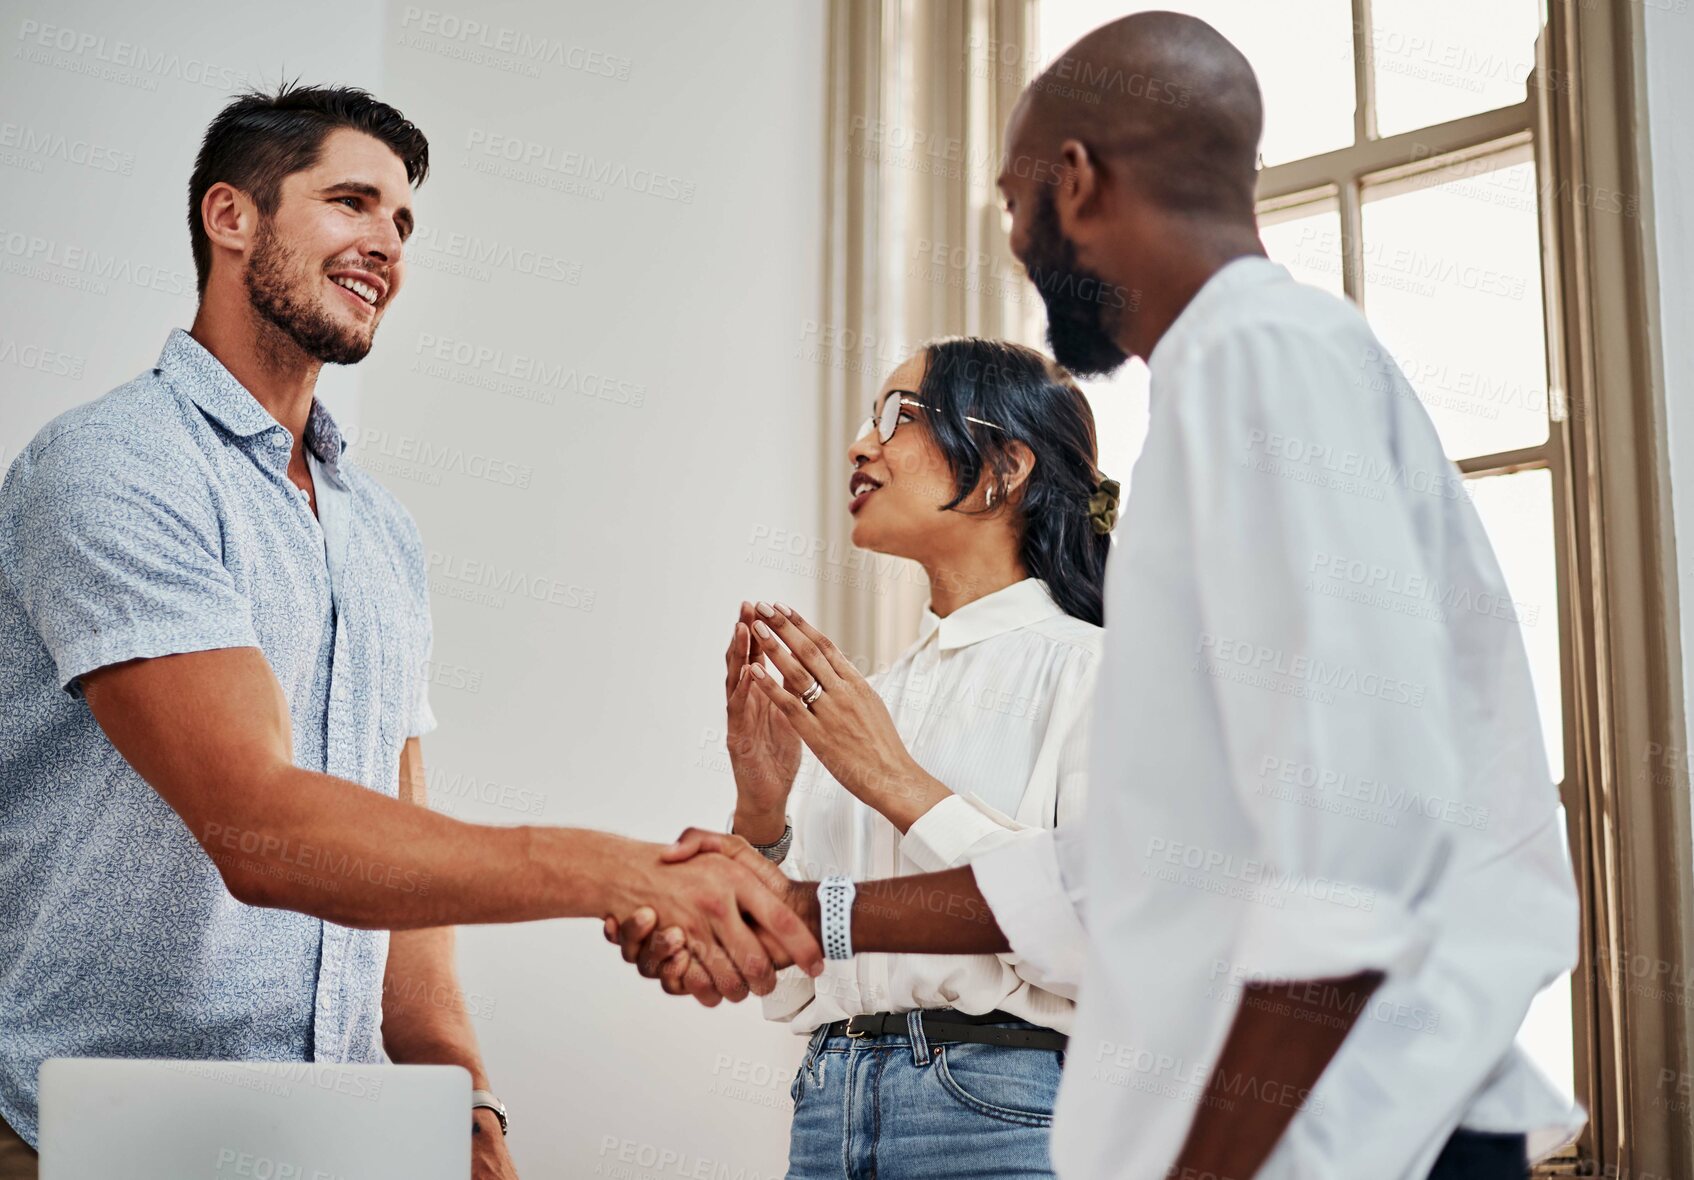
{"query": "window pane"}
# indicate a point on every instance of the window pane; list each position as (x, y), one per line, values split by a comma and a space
(1547, 1035)
(1437, 60)
(1119, 403)
(1452, 285)
(1517, 511)
(1307, 240)
(1302, 51)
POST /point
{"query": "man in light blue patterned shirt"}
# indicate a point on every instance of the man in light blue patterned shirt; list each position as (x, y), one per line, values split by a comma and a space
(215, 635)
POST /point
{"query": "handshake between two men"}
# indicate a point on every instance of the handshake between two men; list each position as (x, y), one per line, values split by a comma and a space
(777, 922)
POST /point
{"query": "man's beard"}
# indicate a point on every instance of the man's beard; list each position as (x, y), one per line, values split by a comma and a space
(273, 278)
(1083, 310)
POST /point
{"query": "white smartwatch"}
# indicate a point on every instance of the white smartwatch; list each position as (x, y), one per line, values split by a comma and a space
(835, 916)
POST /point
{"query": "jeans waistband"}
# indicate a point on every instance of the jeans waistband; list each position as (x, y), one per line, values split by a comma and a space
(938, 1025)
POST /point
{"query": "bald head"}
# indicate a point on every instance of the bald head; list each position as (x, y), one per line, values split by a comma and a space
(1162, 101)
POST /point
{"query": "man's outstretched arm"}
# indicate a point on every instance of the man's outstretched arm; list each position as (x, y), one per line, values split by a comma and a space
(933, 914)
(210, 732)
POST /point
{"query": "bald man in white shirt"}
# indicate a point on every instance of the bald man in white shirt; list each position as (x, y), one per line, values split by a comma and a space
(1323, 870)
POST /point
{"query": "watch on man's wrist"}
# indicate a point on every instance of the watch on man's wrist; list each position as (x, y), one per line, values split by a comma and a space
(485, 1100)
(835, 916)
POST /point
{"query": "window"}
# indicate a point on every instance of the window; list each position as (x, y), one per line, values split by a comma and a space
(1400, 167)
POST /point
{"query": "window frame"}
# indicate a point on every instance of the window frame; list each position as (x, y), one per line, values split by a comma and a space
(1630, 839)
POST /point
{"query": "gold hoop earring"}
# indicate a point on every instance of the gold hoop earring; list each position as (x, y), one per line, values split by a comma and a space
(990, 495)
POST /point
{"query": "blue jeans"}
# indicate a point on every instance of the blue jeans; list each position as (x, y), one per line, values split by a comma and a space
(900, 1108)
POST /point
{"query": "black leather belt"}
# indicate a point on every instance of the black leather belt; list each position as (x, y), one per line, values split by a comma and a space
(944, 1024)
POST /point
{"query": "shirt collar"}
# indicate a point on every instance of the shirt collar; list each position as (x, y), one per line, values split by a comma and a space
(187, 365)
(324, 438)
(1018, 605)
(1239, 274)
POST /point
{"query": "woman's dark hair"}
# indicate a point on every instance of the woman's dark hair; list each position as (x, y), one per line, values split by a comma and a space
(1037, 403)
(259, 139)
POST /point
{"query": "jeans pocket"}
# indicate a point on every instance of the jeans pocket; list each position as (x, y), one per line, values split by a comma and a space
(1012, 1085)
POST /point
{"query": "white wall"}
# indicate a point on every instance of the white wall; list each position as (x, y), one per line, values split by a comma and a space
(1670, 100)
(589, 553)
(643, 515)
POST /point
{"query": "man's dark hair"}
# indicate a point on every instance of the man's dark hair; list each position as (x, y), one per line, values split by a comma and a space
(259, 139)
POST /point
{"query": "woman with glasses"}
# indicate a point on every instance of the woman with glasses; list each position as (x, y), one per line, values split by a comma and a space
(978, 463)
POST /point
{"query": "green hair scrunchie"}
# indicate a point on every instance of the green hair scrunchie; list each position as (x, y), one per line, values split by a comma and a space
(1103, 505)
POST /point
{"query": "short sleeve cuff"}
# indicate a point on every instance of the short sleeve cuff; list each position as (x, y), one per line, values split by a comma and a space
(423, 719)
(1332, 937)
(953, 831)
(76, 659)
(1023, 885)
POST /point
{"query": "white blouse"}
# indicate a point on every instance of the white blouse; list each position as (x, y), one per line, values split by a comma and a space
(994, 701)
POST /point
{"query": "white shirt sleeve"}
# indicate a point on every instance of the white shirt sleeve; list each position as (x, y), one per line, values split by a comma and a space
(1313, 682)
(955, 831)
(962, 826)
(1034, 887)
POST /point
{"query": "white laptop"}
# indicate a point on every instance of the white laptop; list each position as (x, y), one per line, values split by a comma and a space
(253, 1120)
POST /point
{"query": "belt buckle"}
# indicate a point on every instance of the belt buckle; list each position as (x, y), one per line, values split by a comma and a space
(854, 1032)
